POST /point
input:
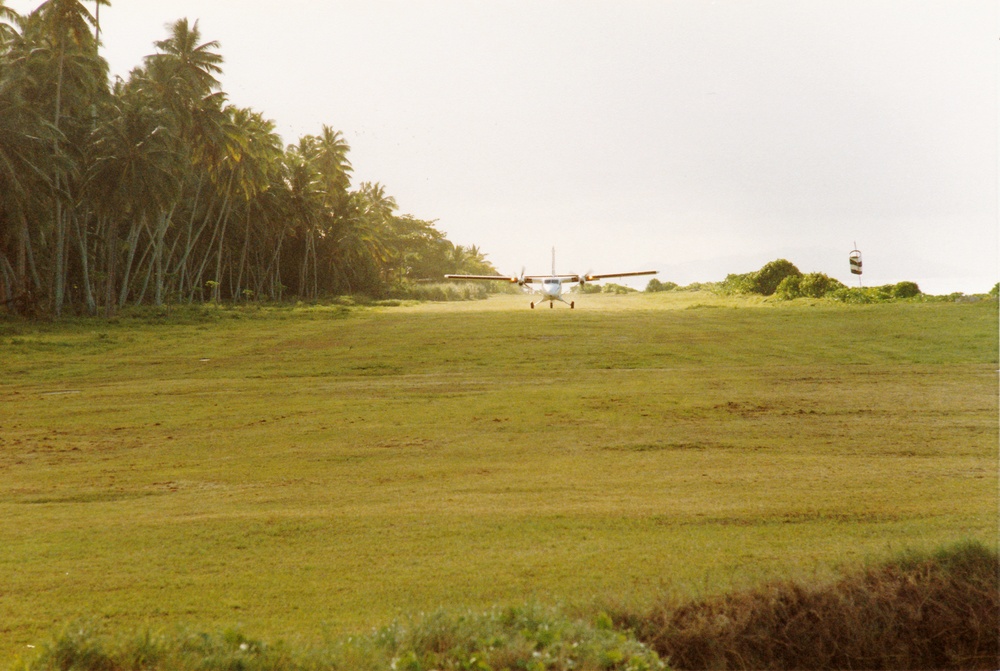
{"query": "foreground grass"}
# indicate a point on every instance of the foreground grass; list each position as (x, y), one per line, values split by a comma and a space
(528, 637)
(305, 473)
(914, 612)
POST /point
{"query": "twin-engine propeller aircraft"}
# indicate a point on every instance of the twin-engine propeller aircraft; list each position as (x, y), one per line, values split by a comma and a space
(551, 286)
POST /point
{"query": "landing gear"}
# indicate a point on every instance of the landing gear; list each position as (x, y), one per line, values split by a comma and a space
(551, 304)
(572, 304)
(532, 306)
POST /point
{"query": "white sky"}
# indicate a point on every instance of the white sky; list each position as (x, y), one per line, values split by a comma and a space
(693, 137)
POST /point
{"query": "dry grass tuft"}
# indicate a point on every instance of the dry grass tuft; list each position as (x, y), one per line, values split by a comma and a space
(936, 612)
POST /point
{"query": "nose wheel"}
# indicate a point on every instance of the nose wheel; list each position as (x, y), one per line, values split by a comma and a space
(532, 306)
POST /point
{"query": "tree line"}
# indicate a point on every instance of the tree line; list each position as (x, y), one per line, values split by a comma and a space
(155, 189)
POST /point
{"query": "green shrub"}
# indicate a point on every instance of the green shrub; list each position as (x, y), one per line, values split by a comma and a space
(704, 286)
(811, 285)
(738, 283)
(767, 279)
(656, 285)
(879, 294)
(905, 290)
(764, 281)
(818, 285)
(789, 288)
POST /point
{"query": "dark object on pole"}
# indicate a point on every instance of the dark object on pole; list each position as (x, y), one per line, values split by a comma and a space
(855, 259)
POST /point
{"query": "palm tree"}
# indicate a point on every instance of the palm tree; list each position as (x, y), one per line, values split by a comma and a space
(25, 171)
(190, 67)
(252, 156)
(8, 22)
(181, 78)
(134, 176)
(307, 197)
(59, 50)
(68, 24)
(258, 165)
(329, 156)
(361, 254)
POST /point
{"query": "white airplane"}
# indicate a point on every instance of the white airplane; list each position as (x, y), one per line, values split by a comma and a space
(551, 285)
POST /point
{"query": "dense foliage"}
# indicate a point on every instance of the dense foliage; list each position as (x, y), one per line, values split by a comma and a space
(783, 280)
(155, 189)
(764, 281)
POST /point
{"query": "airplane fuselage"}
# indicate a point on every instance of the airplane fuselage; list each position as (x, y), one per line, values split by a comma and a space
(551, 291)
(549, 286)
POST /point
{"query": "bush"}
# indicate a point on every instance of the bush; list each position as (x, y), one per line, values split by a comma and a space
(790, 287)
(818, 285)
(656, 285)
(738, 283)
(905, 290)
(764, 281)
(767, 279)
(880, 294)
(811, 285)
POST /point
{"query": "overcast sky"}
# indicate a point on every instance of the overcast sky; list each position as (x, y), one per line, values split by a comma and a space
(694, 137)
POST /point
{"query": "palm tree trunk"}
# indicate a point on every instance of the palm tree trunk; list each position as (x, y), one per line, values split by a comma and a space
(133, 242)
(158, 258)
(111, 264)
(60, 228)
(59, 264)
(81, 238)
(181, 268)
(243, 255)
(7, 280)
(217, 287)
(30, 256)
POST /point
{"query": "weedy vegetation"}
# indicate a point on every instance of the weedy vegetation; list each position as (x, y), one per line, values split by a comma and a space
(935, 611)
(306, 473)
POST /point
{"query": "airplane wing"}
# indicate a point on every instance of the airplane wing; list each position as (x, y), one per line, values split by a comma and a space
(491, 278)
(590, 278)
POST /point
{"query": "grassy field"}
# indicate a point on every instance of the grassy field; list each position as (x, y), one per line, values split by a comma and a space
(303, 473)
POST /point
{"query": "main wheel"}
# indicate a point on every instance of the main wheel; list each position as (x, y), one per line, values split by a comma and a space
(532, 306)
(572, 304)
(551, 304)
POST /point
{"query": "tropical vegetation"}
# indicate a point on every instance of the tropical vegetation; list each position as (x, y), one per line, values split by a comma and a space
(783, 280)
(155, 189)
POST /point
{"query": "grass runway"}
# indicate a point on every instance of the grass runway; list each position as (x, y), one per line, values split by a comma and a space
(301, 473)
